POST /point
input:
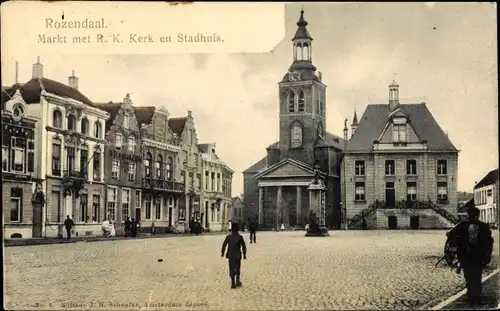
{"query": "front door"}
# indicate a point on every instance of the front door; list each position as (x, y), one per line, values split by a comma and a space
(37, 220)
(138, 214)
(206, 216)
(392, 222)
(390, 194)
(170, 216)
(414, 222)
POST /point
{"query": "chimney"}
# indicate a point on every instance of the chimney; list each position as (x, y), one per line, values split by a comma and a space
(190, 114)
(393, 96)
(37, 69)
(17, 72)
(320, 76)
(72, 80)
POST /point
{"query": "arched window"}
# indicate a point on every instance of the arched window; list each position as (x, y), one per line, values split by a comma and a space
(97, 129)
(302, 101)
(158, 166)
(85, 126)
(57, 118)
(170, 166)
(291, 101)
(131, 144)
(321, 103)
(296, 135)
(71, 122)
(147, 164)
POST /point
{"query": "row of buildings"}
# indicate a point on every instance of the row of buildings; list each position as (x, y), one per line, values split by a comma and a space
(395, 169)
(95, 161)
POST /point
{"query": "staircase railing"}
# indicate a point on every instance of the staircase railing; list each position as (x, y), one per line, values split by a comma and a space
(364, 213)
(441, 211)
(401, 205)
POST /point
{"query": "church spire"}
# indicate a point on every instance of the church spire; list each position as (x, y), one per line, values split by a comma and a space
(302, 46)
(354, 124)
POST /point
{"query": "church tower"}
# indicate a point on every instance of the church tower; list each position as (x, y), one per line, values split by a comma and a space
(302, 101)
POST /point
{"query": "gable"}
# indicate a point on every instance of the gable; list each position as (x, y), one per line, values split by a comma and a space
(287, 168)
(411, 135)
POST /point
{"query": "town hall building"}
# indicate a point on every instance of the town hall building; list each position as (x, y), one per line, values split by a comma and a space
(275, 187)
(400, 168)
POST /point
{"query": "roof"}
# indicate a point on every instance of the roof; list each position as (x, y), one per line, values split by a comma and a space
(302, 32)
(32, 90)
(489, 179)
(375, 118)
(112, 109)
(257, 166)
(330, 140)
(234, 200)
(144, 115)
(177, 125)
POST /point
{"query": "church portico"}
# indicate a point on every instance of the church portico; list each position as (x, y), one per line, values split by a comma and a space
(283, 202)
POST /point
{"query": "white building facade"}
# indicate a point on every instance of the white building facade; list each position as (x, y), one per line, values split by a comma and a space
(486, 198)
(70, 140)
(215, 190)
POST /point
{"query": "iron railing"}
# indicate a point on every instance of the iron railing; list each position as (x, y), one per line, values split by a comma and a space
(161, 184)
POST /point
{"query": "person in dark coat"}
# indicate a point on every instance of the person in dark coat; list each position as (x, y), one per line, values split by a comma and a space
(364, 225)
(235, 247)
(128, 224)
(475, 245)
(252, 226)
(133, 228)
(68, 223)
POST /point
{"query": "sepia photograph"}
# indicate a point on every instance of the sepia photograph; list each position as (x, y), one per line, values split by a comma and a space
(250, 156)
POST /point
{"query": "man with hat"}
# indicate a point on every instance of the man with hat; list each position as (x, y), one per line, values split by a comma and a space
(235, 246)
(475, 245)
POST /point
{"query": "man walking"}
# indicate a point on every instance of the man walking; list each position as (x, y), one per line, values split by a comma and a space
(475, 245)
(128, 224)
(235, 246)
(252, 226)
(68, 223)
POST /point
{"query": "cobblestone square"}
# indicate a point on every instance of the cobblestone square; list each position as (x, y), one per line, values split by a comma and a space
(284, 271)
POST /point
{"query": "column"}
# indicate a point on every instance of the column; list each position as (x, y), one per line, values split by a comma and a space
(279, 203)
(299, 207)
(261, 207)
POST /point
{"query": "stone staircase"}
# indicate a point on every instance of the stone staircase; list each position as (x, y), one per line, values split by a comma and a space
(355, 222)
(445, 218)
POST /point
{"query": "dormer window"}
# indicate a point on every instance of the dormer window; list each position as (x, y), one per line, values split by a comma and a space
(118, 141)
(291, 101)
(126, 121)
(399, 133)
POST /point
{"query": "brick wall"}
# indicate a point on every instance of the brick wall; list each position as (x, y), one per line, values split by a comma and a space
(251, 198)
(26, 208)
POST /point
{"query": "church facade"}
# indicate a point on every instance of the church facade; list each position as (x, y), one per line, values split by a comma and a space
(275, 187)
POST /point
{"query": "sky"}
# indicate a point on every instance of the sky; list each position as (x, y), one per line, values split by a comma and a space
(442, 53)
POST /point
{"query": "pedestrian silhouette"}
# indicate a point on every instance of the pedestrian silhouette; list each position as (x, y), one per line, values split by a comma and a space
(235, 247)
(475, 245)
(68, 223)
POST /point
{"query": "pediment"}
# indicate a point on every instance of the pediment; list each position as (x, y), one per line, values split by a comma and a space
(398, 113)
(287, 168)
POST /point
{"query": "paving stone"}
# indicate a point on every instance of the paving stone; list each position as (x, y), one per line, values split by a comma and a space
(381, 270)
